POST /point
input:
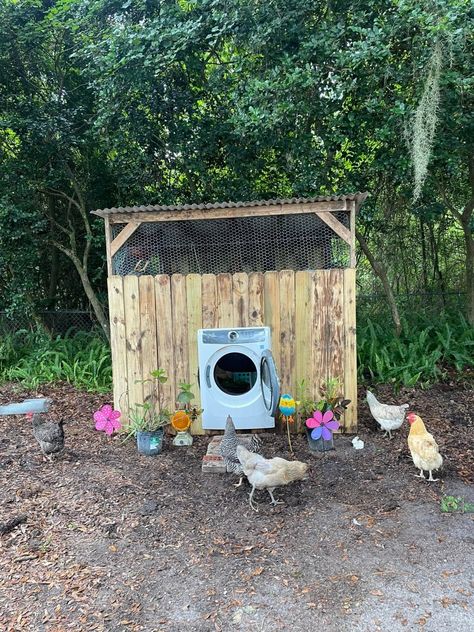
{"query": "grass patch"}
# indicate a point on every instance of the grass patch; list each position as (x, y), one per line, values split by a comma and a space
(456, 504)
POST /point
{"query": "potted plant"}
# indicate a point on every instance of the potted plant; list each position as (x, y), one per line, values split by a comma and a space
(147, 421)
(321, 416)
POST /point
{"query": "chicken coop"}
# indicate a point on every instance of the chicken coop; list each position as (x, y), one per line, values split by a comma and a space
(288, 264)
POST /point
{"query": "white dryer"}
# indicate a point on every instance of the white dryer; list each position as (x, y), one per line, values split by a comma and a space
(237, 377)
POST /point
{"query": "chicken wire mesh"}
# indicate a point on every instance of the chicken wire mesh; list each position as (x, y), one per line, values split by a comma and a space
(241, 244)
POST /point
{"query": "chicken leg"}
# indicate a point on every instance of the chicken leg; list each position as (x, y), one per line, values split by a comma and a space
(241, 479)
(275, 502)
(420, 475)
(431, 477)
(255, 508)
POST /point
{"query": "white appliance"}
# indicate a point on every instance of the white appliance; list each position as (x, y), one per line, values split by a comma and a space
(237, 377)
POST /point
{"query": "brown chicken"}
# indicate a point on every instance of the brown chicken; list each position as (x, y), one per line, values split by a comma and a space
(423, 447)
(267, 474)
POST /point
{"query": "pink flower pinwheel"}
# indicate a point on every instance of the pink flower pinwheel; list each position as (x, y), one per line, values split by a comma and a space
(322, 424)
(107, 419)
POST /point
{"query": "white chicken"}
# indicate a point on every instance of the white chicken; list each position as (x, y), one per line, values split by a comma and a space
(388, 416)
(267, 474)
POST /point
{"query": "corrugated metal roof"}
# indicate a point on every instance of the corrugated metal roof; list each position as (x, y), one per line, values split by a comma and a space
(358, 197)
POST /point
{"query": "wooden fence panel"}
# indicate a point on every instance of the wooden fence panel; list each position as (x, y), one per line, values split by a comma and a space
(209, 301)
(240, 299)
(149, 354)
(195, 315)
(256, 304)
(179, 312)
(350, 350)
(225, 312)
(154, 323)
(164, 333)
(304, 359)
(118, 344)
(134, 340)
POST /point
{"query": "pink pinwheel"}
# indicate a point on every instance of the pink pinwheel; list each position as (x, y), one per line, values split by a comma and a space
(322, 424)
(107, 419)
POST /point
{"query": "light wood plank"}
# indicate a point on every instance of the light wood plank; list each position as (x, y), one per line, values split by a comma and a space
(287, 331)
(122, 237)
(304, 367)
(225, 316)
(180, 329)
(223, 213)
(350, 350)
(108, 239)
(148, 345)
(240, 299)
(256, 299)
(209, 301)
(335, 321)
(194, 309)
(336, 226)
(271, 311)
(319, 332)
(118, 345)
(164, 334)
(352, 226)
(134, 341)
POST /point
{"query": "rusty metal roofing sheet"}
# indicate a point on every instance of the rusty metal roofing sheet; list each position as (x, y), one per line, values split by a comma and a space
(358, 197)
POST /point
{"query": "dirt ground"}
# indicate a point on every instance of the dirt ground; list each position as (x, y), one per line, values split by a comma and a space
(120, 542)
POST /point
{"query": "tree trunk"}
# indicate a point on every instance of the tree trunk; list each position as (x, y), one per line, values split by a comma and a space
(381, 272)
(469, 240)
(91, 295)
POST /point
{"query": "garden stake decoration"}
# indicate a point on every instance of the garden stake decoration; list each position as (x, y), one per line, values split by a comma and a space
(287, 408)
(107, 420)
(322, 425)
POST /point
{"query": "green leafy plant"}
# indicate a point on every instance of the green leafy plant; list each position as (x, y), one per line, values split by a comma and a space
(153, 413)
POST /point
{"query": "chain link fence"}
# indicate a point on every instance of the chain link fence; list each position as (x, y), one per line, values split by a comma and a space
(58, 322)
(373, 306)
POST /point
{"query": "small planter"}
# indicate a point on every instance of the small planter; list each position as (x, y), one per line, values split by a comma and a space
(150, 443)
(319, 445)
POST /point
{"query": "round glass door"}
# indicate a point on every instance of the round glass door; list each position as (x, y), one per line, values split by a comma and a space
(235, 373)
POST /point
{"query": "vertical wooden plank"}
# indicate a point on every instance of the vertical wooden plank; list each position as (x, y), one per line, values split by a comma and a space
(335, 324)
(350, 350)
(179, 315)
(164, 334)
(319, 333)
(256, 302)
(209, 301)
(225, 317)
(148, 347)
(240, 299)
(303, 332)
(287, 331)
(194, 310)
(134, 340)
(118, 345)
(352, 227)
(271, 311)
(108, 241)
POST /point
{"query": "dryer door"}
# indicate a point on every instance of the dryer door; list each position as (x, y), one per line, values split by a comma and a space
(269, 382)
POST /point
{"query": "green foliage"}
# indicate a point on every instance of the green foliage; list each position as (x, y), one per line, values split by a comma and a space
(34, 358)
(154, 413)
(419, 357)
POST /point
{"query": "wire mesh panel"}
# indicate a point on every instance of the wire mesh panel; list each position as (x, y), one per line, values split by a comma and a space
(240, 244)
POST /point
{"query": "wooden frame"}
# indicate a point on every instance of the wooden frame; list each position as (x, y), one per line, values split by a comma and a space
(154, 320)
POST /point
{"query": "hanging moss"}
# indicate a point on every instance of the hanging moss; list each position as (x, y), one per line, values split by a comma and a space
(425, 120)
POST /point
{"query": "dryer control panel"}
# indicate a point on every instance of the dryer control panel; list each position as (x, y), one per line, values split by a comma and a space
(236, 336)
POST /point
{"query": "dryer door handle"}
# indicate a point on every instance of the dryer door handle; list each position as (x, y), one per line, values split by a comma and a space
(208, 376)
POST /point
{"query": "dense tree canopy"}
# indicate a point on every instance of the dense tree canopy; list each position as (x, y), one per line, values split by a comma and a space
(105, 103)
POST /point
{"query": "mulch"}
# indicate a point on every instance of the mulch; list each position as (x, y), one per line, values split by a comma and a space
(106, 539)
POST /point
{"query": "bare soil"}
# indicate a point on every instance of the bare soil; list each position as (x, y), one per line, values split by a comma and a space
(110, 540)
